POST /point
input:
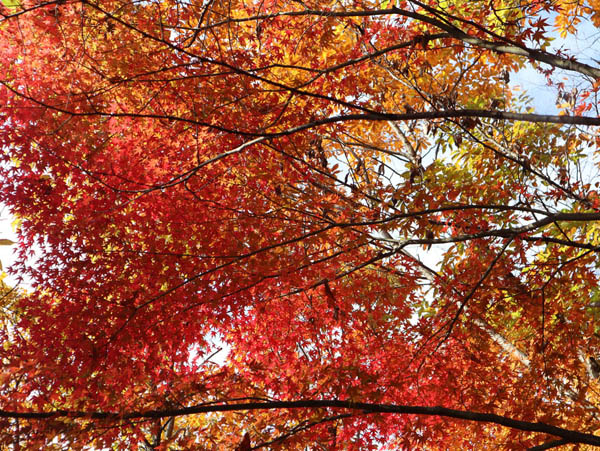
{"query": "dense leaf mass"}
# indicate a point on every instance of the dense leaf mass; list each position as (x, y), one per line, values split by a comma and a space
(302, 224)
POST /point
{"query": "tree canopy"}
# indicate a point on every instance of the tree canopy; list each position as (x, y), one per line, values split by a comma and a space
(301, 224)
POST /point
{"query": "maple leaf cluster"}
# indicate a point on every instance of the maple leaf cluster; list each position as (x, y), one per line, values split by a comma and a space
(299, 224)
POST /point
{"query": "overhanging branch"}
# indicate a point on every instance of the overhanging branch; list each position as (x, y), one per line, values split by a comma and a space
(369, 116)
(567, 434)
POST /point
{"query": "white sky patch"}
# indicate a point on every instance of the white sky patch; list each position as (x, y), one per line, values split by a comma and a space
(8, 252)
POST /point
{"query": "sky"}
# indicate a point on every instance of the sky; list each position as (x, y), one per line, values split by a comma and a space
(7, 256)
(584, 46)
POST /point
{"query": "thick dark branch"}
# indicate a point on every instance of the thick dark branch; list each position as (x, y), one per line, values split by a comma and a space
(549, 219)
(504, 46)
(455, 32)
(370, 116)
(566, 434)
(507, 232)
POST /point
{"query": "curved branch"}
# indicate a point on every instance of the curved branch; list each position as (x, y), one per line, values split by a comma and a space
(500, 47)
(370, 116)
(506, 46)
(567, 434)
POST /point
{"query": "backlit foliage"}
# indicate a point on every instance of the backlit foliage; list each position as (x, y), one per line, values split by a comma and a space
(354, 200)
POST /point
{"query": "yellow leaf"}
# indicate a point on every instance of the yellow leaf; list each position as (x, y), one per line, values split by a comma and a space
(11, 3)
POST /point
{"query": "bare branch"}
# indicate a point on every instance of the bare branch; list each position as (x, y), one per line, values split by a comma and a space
(438, 411)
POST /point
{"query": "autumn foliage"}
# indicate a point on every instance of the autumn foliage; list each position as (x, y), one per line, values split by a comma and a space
(300, 224)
